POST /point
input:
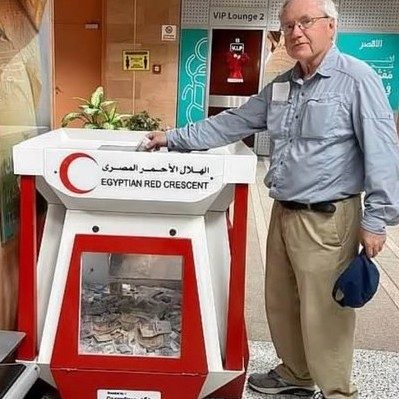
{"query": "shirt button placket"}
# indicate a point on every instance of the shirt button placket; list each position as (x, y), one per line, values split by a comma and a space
(292, 121)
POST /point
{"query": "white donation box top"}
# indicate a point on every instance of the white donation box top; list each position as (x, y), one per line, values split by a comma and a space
(100, 170)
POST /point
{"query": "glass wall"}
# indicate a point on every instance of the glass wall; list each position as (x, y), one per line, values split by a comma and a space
(130, 305)
(25, 111)
(25, 95)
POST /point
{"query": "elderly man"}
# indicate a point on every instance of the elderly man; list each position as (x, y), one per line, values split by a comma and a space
(333, 135)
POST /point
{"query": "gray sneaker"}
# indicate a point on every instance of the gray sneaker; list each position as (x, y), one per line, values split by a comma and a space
(271, 383)
(318, 395)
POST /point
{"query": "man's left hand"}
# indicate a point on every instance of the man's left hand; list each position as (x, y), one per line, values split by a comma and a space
(372, 243)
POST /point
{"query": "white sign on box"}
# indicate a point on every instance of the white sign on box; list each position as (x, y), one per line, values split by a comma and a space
(118, 394)
(133, 175)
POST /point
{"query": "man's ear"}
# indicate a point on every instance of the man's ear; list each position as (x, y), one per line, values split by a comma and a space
(332, 24)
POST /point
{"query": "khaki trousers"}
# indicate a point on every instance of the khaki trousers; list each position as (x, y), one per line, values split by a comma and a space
(312, 334)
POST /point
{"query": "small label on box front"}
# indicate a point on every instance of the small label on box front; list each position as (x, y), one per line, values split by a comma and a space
(122, 394)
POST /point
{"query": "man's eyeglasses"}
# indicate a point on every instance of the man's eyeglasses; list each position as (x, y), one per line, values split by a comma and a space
(304, 23)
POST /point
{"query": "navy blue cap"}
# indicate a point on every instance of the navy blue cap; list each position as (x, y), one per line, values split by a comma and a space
(358, 282)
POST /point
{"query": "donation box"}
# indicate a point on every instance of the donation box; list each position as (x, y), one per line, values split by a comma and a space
(137, 289)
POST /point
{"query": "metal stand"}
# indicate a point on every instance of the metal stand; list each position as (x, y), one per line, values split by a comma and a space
(15, 378)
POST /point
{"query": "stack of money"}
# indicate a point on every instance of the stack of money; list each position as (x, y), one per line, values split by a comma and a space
(130, 320)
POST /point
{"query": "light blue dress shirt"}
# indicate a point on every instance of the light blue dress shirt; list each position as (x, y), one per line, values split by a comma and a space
(332, 135)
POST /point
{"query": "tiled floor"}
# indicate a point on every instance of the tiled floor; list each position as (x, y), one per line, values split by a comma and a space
(377, 333)
(375, 373)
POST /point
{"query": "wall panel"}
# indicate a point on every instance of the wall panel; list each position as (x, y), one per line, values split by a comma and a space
(136, 25)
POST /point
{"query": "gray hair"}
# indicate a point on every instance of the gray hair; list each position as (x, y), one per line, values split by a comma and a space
(327, 6)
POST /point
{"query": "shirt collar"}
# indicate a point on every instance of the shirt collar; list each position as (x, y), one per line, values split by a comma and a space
(325, 67)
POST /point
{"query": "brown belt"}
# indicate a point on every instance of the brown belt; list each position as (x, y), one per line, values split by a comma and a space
(324, 207)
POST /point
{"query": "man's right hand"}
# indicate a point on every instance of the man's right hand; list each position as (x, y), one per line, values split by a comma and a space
(157, 140)
(372, 243)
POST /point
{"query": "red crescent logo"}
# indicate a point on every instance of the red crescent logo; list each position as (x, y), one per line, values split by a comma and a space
(64, 168)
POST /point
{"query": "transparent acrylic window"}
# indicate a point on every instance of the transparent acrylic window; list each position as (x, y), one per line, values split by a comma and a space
(130, 305)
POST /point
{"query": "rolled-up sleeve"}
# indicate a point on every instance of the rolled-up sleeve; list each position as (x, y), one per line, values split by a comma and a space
(227, 127)
(375, 130)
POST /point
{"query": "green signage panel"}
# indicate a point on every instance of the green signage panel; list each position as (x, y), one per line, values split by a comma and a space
(381, 52)
(192, 76)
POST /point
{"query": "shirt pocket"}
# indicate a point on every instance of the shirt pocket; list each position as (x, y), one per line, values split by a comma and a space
(277, 114)
(319, 117)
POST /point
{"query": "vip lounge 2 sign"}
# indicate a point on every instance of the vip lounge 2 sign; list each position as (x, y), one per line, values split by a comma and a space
(234, 16)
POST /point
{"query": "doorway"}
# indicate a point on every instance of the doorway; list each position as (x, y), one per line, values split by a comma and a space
(77, 53)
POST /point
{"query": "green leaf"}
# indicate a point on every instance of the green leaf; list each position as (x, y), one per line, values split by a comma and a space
(91, 126)
(112, 114)
(92, 111)
(70, 117)
(108, 126)
(97, 96)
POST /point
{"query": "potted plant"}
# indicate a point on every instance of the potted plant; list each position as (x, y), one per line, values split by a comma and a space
(97, 113)
(142, 121)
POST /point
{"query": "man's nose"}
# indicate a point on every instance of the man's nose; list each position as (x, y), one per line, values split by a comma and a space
(296, 31)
